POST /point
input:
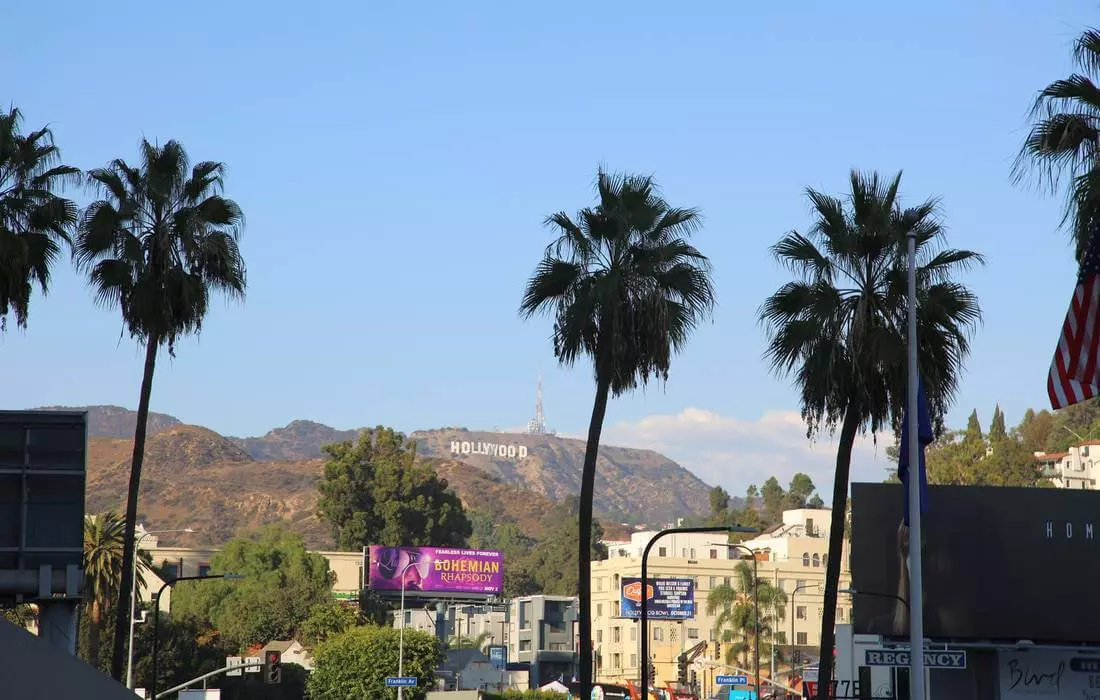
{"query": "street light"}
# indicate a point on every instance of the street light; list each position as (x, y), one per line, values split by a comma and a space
(401, 633)
(875, 594)
(800, 587)
(156, 615)
(133, 601)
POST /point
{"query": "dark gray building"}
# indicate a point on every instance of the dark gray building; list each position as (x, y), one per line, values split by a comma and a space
(542, 634)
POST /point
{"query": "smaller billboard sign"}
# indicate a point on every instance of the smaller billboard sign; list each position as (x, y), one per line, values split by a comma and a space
(436, 570)
(667, 598)
(498, 656)
(932, 659)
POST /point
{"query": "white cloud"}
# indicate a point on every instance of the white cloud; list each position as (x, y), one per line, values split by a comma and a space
(733, 452)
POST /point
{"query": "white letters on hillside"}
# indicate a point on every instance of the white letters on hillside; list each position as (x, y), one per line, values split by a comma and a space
(490, 449)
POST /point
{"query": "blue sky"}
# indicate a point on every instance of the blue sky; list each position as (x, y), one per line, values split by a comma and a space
(395, 162)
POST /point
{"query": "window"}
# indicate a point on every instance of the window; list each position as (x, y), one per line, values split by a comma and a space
(662, 552)
(599, 636)
(171, 569)
(599, 609)
(806, 559)
(800, 639)
(800, 583)
(817, 561)
(204, 568)
(693, 552)
(810, 527)
(408, 617)
(633, 661)
(525, 615)
(800, 612)
(559, 646)
(784, 585)
(693, 632)
(714, 635)
(616, 607)
(599, 583)
(714, 554)
(616, 635)
(633, 634)
(525, 645)
(726, 581)
(683, 552)
(616, 660)
(714, 582)
(658, 634)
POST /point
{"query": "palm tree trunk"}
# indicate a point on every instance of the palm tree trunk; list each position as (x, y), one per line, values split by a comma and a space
(122, 618)
(95, 634)
(584, 552)
(836, 547)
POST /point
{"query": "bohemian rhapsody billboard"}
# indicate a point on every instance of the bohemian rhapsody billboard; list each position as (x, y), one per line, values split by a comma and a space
(435, 570)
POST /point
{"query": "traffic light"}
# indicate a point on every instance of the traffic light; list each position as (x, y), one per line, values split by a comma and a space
(694, 680)
(682, 676)
(273, 667)
(717, 650)
(651, 671)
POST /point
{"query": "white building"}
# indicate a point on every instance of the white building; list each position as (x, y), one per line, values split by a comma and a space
(1076, 469)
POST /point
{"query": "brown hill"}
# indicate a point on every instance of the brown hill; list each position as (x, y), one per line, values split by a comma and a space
(300, 439)
(490, 495)
(116, 421)
(632, 485)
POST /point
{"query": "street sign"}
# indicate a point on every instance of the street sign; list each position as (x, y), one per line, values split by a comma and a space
(400, 681)
(230, 662)
(732, 680)
(254, 664)
(932, 659)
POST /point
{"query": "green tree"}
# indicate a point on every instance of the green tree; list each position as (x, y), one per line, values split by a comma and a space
(157, 244)
(736, 609)
(997, 431)
(479, 642)
(751, 494)
(326, 620)
(816, 501)
(625, 289)
(840, 328)
(800, 490)
(552, 564)
(719, 500)
(355, 664)
(773, 496)
(375, 492)
(1061, 145)
(186, 648)
(34, 219)
(282, 583)
(1034, 430)
(974, 427)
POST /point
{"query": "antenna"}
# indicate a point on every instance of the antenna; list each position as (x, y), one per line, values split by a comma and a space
(537, 425)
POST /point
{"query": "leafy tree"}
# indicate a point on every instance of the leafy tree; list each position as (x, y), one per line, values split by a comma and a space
(800, 490)
(355, 664)
(34, 219)
(997, 431)
(751, 494)
(282, 583)
(1035, 429)
(840, 328)
(736, 609)
(326, 620)
(974, 428)
(478, 642)
(625, 289)
(374, 492)
(21, 614)
(1061, 144)
(816, 502)
(186, 648)
(552, 564)
(719, 500)
(773, 496)
(158, 243)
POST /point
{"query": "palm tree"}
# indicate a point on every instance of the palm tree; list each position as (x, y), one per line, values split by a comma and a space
(479, 642)
(1064, 140)
(626, 289)
(156, 245)
(104, 541)
(840, 328)
(34, 220)
(736, 614)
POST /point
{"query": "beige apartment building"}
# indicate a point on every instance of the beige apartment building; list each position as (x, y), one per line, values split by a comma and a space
(792, 555)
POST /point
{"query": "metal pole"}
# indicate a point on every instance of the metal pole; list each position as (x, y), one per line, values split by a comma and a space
(156, 617)
(916, 592)
(133, 608)
(644, 630)
(401, 634)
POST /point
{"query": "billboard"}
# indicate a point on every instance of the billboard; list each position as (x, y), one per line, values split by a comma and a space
(435, 570)
(668, 598)
(1048, 673)
(1000, 563)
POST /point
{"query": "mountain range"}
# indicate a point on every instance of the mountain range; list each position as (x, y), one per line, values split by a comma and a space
(219, 485)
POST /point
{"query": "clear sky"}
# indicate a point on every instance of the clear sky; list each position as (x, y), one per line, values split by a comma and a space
(395, 161)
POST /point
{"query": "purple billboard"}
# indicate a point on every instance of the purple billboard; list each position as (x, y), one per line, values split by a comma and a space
(435, 570)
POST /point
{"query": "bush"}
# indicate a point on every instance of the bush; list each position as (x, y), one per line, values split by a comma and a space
(355, 663)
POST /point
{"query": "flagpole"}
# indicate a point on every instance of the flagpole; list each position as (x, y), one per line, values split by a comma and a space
(916, 588)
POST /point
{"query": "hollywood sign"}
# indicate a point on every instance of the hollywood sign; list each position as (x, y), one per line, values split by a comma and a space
(491, 449)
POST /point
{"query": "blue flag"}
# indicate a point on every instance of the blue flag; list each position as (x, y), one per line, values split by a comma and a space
(925, 436)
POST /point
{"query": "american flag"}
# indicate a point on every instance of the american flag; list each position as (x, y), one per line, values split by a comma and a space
(1075, 371)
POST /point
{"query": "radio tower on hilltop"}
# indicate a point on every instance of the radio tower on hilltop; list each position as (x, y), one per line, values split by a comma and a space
(537, 425)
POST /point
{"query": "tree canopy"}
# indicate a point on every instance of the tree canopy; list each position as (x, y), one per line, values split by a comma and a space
(282, 584)
(374, 491)
(355, 664)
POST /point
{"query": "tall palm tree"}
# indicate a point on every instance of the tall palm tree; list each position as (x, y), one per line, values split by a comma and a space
(736, 610)
(625, 288)
(34, 219)
(1064, 140)
(840, 328)
(104, 541)
(157, 244)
